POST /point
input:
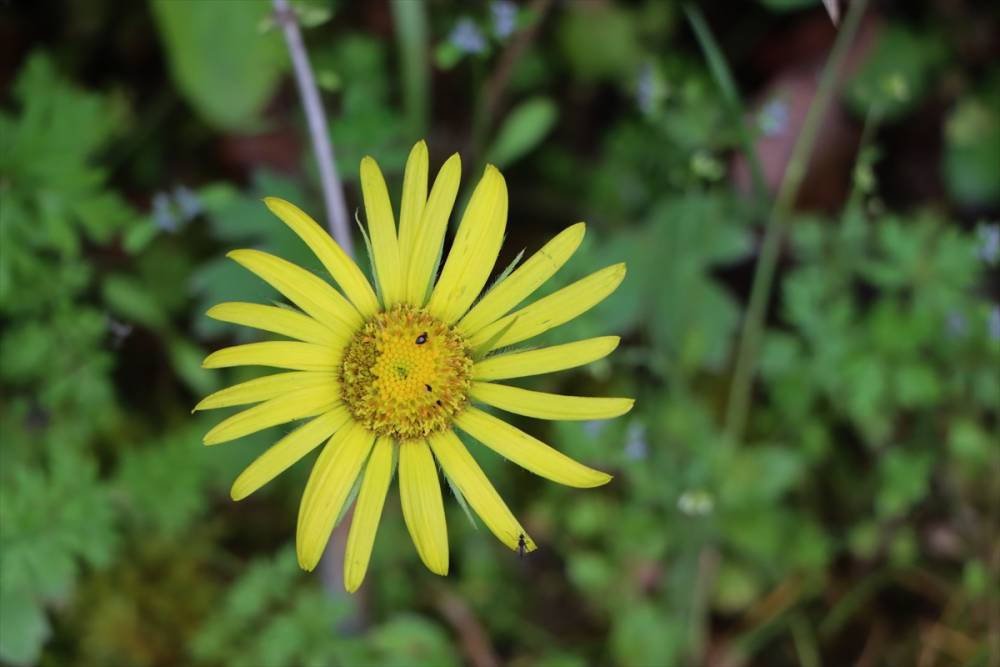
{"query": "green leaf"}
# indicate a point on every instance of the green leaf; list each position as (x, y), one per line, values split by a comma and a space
(599, 40)
(52, 519)
(130, 301)
(788, 5)
(897, 73)
(522, 130)
(971, 162)
(409, 640)
(186, 358)
(23, 627)
(904, 477)
(644, 635)
(219, 59)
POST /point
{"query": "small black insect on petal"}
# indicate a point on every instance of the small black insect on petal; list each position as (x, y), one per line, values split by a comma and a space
(422, 338)
(428, 387)
(438, 402)
(522, 546)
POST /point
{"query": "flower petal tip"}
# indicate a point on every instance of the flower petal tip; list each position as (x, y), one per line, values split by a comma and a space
(238, 255)
(306, 562)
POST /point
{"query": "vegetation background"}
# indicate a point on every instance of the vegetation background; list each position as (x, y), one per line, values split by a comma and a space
(847, 515)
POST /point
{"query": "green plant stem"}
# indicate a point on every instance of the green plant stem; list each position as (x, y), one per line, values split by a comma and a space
(734, 106)
(410, 17)
(753, 324)
(805, 641)
(333, 190)
(496, 86)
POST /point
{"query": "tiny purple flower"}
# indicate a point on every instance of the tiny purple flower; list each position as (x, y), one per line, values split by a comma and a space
(593, 427)
(773, 118)
(989, 246)
(636, 447)
(504, 18)
(993, 324)
(956, 324)
(467, 37)
(645, 89)
(163, 214)
(187, 202)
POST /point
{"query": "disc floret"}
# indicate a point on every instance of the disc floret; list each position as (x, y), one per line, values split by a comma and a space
(406, 374)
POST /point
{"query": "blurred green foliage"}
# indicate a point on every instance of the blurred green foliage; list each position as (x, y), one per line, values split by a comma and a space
(220, 60)
(860, 500)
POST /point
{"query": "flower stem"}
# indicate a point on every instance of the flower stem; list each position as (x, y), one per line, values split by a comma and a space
(333, 190)
(753, 324)
(410, 17)
(727, 87)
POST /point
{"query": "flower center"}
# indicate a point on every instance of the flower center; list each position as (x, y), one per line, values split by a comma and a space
(405, 374)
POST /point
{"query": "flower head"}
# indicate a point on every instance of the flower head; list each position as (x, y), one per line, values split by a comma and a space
(384, 376)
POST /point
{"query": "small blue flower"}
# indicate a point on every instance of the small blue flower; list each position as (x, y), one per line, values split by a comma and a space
(993, 324)
(504, 18)
(957, 324)
(636, 447)
(163, 214)
(645, 89)
(593, 427)
(467, 37)
(187, 202)
(773, 118)
(989, 246)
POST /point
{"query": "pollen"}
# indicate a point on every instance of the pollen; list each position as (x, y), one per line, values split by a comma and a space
(406, 374)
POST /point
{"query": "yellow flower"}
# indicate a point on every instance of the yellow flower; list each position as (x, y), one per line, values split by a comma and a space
(383, 376)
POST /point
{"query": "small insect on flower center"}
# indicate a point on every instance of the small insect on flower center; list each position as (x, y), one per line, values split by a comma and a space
(406, 374)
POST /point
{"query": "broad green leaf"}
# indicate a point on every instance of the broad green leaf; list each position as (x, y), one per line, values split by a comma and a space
(522, 130)
(971, 162)
(219, 58)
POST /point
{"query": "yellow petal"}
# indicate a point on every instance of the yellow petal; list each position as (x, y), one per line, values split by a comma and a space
(527, 452)
(337, 262)
(423, 511)
(465, 473)
(545, 359)
(411, 208)
(542, 405)
(306, 290)
(523, 282)
(266, 388)
(367, 514)
(475, 249)
(553, 310)
(287, 451)
(426, 253)
(382, 229)
(297, 404)
(282, 321)
(329, 484)
(276, 354)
